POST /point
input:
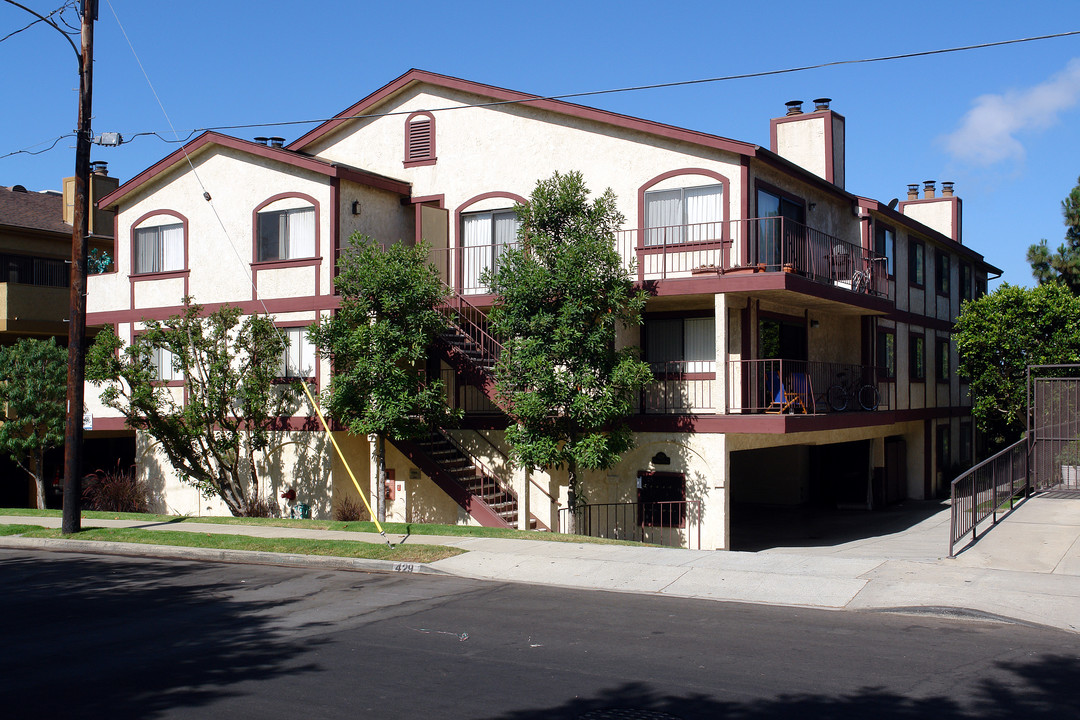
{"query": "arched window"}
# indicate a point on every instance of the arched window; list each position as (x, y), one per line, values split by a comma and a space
(285, 229)
(158, 243)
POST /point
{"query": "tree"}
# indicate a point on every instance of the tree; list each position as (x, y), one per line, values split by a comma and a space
(999, 335)
(1064, 264)
(563, 295)
(234, 402)
(378, 344)
(33, 390)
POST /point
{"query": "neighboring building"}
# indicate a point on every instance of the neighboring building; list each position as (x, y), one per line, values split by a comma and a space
(775, 293)
(35, 273)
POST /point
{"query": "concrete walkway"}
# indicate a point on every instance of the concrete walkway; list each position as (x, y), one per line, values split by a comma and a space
(1026, 569)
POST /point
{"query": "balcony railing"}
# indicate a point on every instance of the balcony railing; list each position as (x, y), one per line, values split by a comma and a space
(773, 244)
(802, 386)
(680, 387)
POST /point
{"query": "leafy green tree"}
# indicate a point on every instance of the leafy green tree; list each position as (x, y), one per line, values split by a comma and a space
(999, 335)
(1064, 264)
(378, 345)
(33, 389)
(230, 366)
(563, 295)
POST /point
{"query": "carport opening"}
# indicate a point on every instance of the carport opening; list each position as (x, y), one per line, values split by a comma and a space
(818, 495)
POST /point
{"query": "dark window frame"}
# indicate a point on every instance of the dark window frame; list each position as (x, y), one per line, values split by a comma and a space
(916, 263)
(942, 356)
(885, 246)
(885, 371)
(967, 281)
(942, 273)
(917, 360)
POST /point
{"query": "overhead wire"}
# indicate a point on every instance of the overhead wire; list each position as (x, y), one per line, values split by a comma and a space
(41, 18)
(28, 151)
(634, 88)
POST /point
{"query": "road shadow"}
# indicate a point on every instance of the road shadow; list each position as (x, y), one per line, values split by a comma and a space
(760, 527)
(1042, 689)
(93, 637)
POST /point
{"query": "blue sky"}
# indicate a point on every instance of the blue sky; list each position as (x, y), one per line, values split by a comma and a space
(1002, 123)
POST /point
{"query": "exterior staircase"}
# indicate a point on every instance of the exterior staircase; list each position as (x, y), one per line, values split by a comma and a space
(473, 353)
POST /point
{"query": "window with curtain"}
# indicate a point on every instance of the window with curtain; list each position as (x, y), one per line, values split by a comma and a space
(159, 248)
(485, 237)
(693, 214)
(162, 361)
(286, 234)
(690, 341)
(297, 360)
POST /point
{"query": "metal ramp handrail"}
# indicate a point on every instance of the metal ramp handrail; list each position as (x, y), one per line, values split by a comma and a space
(986, 488)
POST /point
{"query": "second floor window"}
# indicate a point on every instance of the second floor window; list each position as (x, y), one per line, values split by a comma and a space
(159, 248)
(886, 351)
(162, 361)
(484, 238)
(681, 344)
(917, 358)
(684, 215)
(942, 360)
(286, 234)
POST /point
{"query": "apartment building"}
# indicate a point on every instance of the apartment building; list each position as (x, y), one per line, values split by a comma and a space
(799, 333)
(35, 273)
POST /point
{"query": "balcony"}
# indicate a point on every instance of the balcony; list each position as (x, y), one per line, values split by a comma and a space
(769, 245)
(33, 308)
(806, 387)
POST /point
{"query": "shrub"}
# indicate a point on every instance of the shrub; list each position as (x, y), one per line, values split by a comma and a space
(115, 491)
(259, 508)
(349, 509)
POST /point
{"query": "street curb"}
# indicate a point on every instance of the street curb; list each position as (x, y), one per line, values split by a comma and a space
(246, 557)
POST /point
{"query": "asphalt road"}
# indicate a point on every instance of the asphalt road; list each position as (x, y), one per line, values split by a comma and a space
(95, 636)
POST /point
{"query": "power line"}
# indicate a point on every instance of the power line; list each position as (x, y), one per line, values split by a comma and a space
(28, 151)
(633, 88)
(41, 18)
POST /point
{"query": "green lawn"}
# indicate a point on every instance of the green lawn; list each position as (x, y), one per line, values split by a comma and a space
(359, 526)
(412, 553)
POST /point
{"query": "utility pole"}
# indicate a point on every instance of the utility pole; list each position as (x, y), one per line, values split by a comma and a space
(73, 435)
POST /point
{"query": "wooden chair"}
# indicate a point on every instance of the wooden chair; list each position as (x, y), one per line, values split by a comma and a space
(780, 400)
(801, 392)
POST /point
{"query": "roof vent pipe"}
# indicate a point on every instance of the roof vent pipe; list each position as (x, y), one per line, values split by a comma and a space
(946, 189)
(794, 107)
(262, 140)
(913, 191)
(822, 104)
(277, 142)
(928, 190)
(100, 167)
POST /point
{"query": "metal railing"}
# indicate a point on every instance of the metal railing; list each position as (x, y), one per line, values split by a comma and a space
(812, 387)
(772, 244)
(462, 268)
(987, 488)
(675, 523)
(680, 386)
(473, 324)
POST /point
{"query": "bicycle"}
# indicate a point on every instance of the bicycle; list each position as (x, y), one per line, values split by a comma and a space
(844, 394)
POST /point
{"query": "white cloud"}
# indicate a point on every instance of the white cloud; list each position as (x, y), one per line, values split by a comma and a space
(987, 134)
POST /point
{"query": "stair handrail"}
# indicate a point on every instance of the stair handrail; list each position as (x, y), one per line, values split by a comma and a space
(535, 484)
(479, 465)
(966, 509)
(455, 311)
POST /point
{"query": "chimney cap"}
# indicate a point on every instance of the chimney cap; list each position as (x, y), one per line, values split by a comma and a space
(262, 140)
(822, 103)
(277, 141)
(794, 107)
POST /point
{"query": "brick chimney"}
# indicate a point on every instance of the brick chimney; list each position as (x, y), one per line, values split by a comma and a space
(812, 140)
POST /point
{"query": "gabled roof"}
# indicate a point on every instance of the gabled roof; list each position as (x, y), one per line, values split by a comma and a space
(33, 211)
(497, 94)
(210, 139)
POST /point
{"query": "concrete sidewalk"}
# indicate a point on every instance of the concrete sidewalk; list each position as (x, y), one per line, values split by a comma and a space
(1025, 569)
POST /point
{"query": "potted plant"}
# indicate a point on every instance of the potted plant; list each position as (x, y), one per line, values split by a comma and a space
(1069, 461)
